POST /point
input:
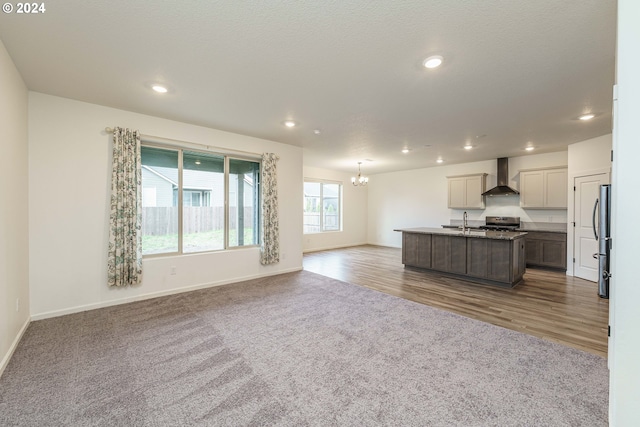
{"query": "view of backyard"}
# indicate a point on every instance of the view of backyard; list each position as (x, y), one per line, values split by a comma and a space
(321, 207)
(193, 242)
(202, 227)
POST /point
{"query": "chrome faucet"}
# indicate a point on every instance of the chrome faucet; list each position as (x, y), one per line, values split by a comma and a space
(464, 221)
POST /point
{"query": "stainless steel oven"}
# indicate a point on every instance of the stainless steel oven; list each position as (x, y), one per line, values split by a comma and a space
(501, 223)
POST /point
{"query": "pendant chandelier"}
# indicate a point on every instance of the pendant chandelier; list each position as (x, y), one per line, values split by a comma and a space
(359, 180)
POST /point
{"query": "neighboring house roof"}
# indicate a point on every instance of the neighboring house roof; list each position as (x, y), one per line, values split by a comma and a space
(160, 174)
(314, 191)
(192, 179)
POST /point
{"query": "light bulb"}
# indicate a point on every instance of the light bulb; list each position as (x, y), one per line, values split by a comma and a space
(433, 61)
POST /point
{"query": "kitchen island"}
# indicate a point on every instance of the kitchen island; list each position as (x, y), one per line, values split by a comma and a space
(488, 257)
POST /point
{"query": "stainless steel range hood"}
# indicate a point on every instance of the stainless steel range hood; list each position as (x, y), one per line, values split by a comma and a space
(502, 189)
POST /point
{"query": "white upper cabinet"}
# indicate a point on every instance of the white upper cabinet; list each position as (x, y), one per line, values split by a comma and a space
(543, 188)
(465, 191)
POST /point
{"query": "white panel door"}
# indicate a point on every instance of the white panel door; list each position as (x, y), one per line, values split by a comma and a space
(584, 242)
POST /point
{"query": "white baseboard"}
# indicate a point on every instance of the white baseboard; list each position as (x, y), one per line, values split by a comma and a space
(350, 245)
(327, 248)
(386, 245)
(14, 345)
(87, 307)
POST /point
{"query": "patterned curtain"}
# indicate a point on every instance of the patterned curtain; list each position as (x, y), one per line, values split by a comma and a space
(270, 242)
(124, 262)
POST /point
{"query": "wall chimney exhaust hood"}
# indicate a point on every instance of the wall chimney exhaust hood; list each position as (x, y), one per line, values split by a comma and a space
(502, 189)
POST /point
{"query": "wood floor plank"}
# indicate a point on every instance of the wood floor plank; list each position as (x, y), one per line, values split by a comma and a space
(547, 304)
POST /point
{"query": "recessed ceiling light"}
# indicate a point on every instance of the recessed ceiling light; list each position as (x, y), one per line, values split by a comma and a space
(468, 147)
(439, 161)
(405, 150)
(316, 131)
(530, 148)
(432, 61)
(290, 123)
(159, 88)
(586, 117)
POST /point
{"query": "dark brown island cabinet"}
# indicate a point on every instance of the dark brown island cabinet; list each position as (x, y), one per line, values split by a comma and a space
(546, 249)
(487, 257)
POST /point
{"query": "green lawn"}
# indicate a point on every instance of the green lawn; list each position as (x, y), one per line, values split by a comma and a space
(194, 242)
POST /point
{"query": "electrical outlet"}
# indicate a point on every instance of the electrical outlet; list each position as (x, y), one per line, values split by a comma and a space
(173, 270)
(17, 304)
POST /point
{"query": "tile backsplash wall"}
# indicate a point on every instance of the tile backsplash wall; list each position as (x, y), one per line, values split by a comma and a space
(524, 225)
(510, 206)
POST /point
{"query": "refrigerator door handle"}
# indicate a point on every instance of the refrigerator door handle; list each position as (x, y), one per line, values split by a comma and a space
(593, 219)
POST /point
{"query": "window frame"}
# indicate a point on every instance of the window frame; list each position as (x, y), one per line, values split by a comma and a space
(321, 203)
(227, 156)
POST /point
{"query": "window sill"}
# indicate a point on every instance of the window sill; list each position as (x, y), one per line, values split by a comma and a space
(323, 232)
(178, 255)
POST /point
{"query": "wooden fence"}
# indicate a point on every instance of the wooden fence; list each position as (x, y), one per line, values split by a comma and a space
(311, 222)
(160, 221)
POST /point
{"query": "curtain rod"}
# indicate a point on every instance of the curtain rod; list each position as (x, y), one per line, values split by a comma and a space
(169, 141)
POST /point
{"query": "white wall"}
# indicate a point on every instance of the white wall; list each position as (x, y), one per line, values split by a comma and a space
(624, 347)
(69, 181)
(14, 255)
(418, 198)
(588, 157)
(354, 213)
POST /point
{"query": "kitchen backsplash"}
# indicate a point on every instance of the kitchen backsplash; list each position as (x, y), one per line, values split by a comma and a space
(524, 225)
(551, 219)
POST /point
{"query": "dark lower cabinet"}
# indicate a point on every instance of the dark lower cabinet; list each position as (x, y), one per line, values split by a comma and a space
(545, 249)
(416, 250)
(448, 253)
(458, 255)
(477, 254)
(441, 256)
(494, 261)
(498, 260)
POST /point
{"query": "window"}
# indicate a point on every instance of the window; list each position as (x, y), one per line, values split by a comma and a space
(202, 226)
(197, 201)
(159, 213)
(243, 202)
(322, 207)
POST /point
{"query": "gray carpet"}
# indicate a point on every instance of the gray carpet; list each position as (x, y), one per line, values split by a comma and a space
(298, 349)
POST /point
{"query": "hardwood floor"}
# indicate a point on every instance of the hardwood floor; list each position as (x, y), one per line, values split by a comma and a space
(548, 304)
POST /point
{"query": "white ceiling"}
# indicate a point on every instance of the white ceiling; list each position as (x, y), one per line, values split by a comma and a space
(515, 72)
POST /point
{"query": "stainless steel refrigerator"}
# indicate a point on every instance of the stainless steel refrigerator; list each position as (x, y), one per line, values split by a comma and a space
(602, 232)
